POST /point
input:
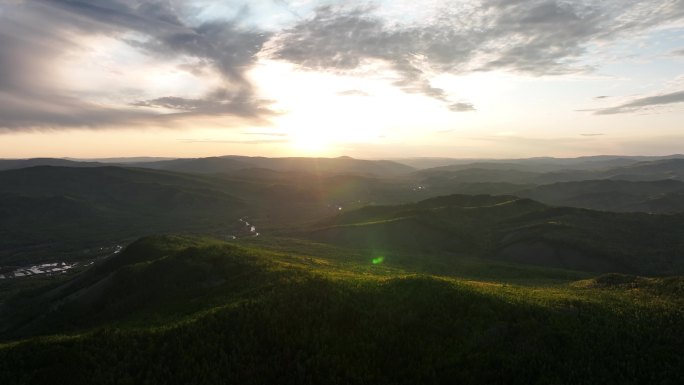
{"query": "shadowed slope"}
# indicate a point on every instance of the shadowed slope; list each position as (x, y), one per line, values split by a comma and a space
(60, 208)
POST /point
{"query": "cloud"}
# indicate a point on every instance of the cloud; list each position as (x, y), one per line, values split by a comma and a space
(218, 102)
(258, 141)
(597, 134)
(266, 133)
(32, 111)
(644, 103)
(343, 41)
(679, 52)
(353, 93)
(462, 107)
(536, 37)
(601, 97)
(33, 35)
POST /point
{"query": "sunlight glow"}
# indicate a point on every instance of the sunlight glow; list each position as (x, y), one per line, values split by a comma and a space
(310, 143)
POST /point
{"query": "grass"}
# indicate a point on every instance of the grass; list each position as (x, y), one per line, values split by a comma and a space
(275, 310)
(514, 230)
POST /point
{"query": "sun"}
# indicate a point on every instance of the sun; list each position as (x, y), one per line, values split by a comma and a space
(312, 143)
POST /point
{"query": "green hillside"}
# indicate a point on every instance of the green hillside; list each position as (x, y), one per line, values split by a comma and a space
(178, 310)
(653, 170)
(52, 210)
(661, 197)
(52, 213)
(539, 176)
(479, 174)
(516, 230)
(48, 211)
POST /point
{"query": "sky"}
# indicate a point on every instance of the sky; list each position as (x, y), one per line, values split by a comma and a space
(369, 79)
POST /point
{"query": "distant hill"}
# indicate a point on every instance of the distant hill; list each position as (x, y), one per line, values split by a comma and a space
(655, 170)
(385, 168)
(641, 171)
(443, 175)
(521, 171)
(46, 210)
(212, 165)
(539, 164)
(341, 165)
(11, 164)
(492, 166)
(516, 230)
(123, 160)
(61, 208)
(512, 177)
(662, 197)
(227, 164)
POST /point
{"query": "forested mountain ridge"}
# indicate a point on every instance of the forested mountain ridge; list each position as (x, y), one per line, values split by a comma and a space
(191, 310)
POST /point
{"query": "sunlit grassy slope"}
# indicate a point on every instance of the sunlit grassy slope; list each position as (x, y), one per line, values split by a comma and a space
(202, 311)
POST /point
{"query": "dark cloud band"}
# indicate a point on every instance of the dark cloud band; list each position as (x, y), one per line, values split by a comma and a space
(643, 103)
(33, 34)
(537, 37)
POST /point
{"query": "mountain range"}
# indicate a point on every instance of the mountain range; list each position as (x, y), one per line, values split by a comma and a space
(339, 270)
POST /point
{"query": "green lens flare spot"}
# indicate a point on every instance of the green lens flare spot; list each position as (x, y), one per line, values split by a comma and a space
(378, 260)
